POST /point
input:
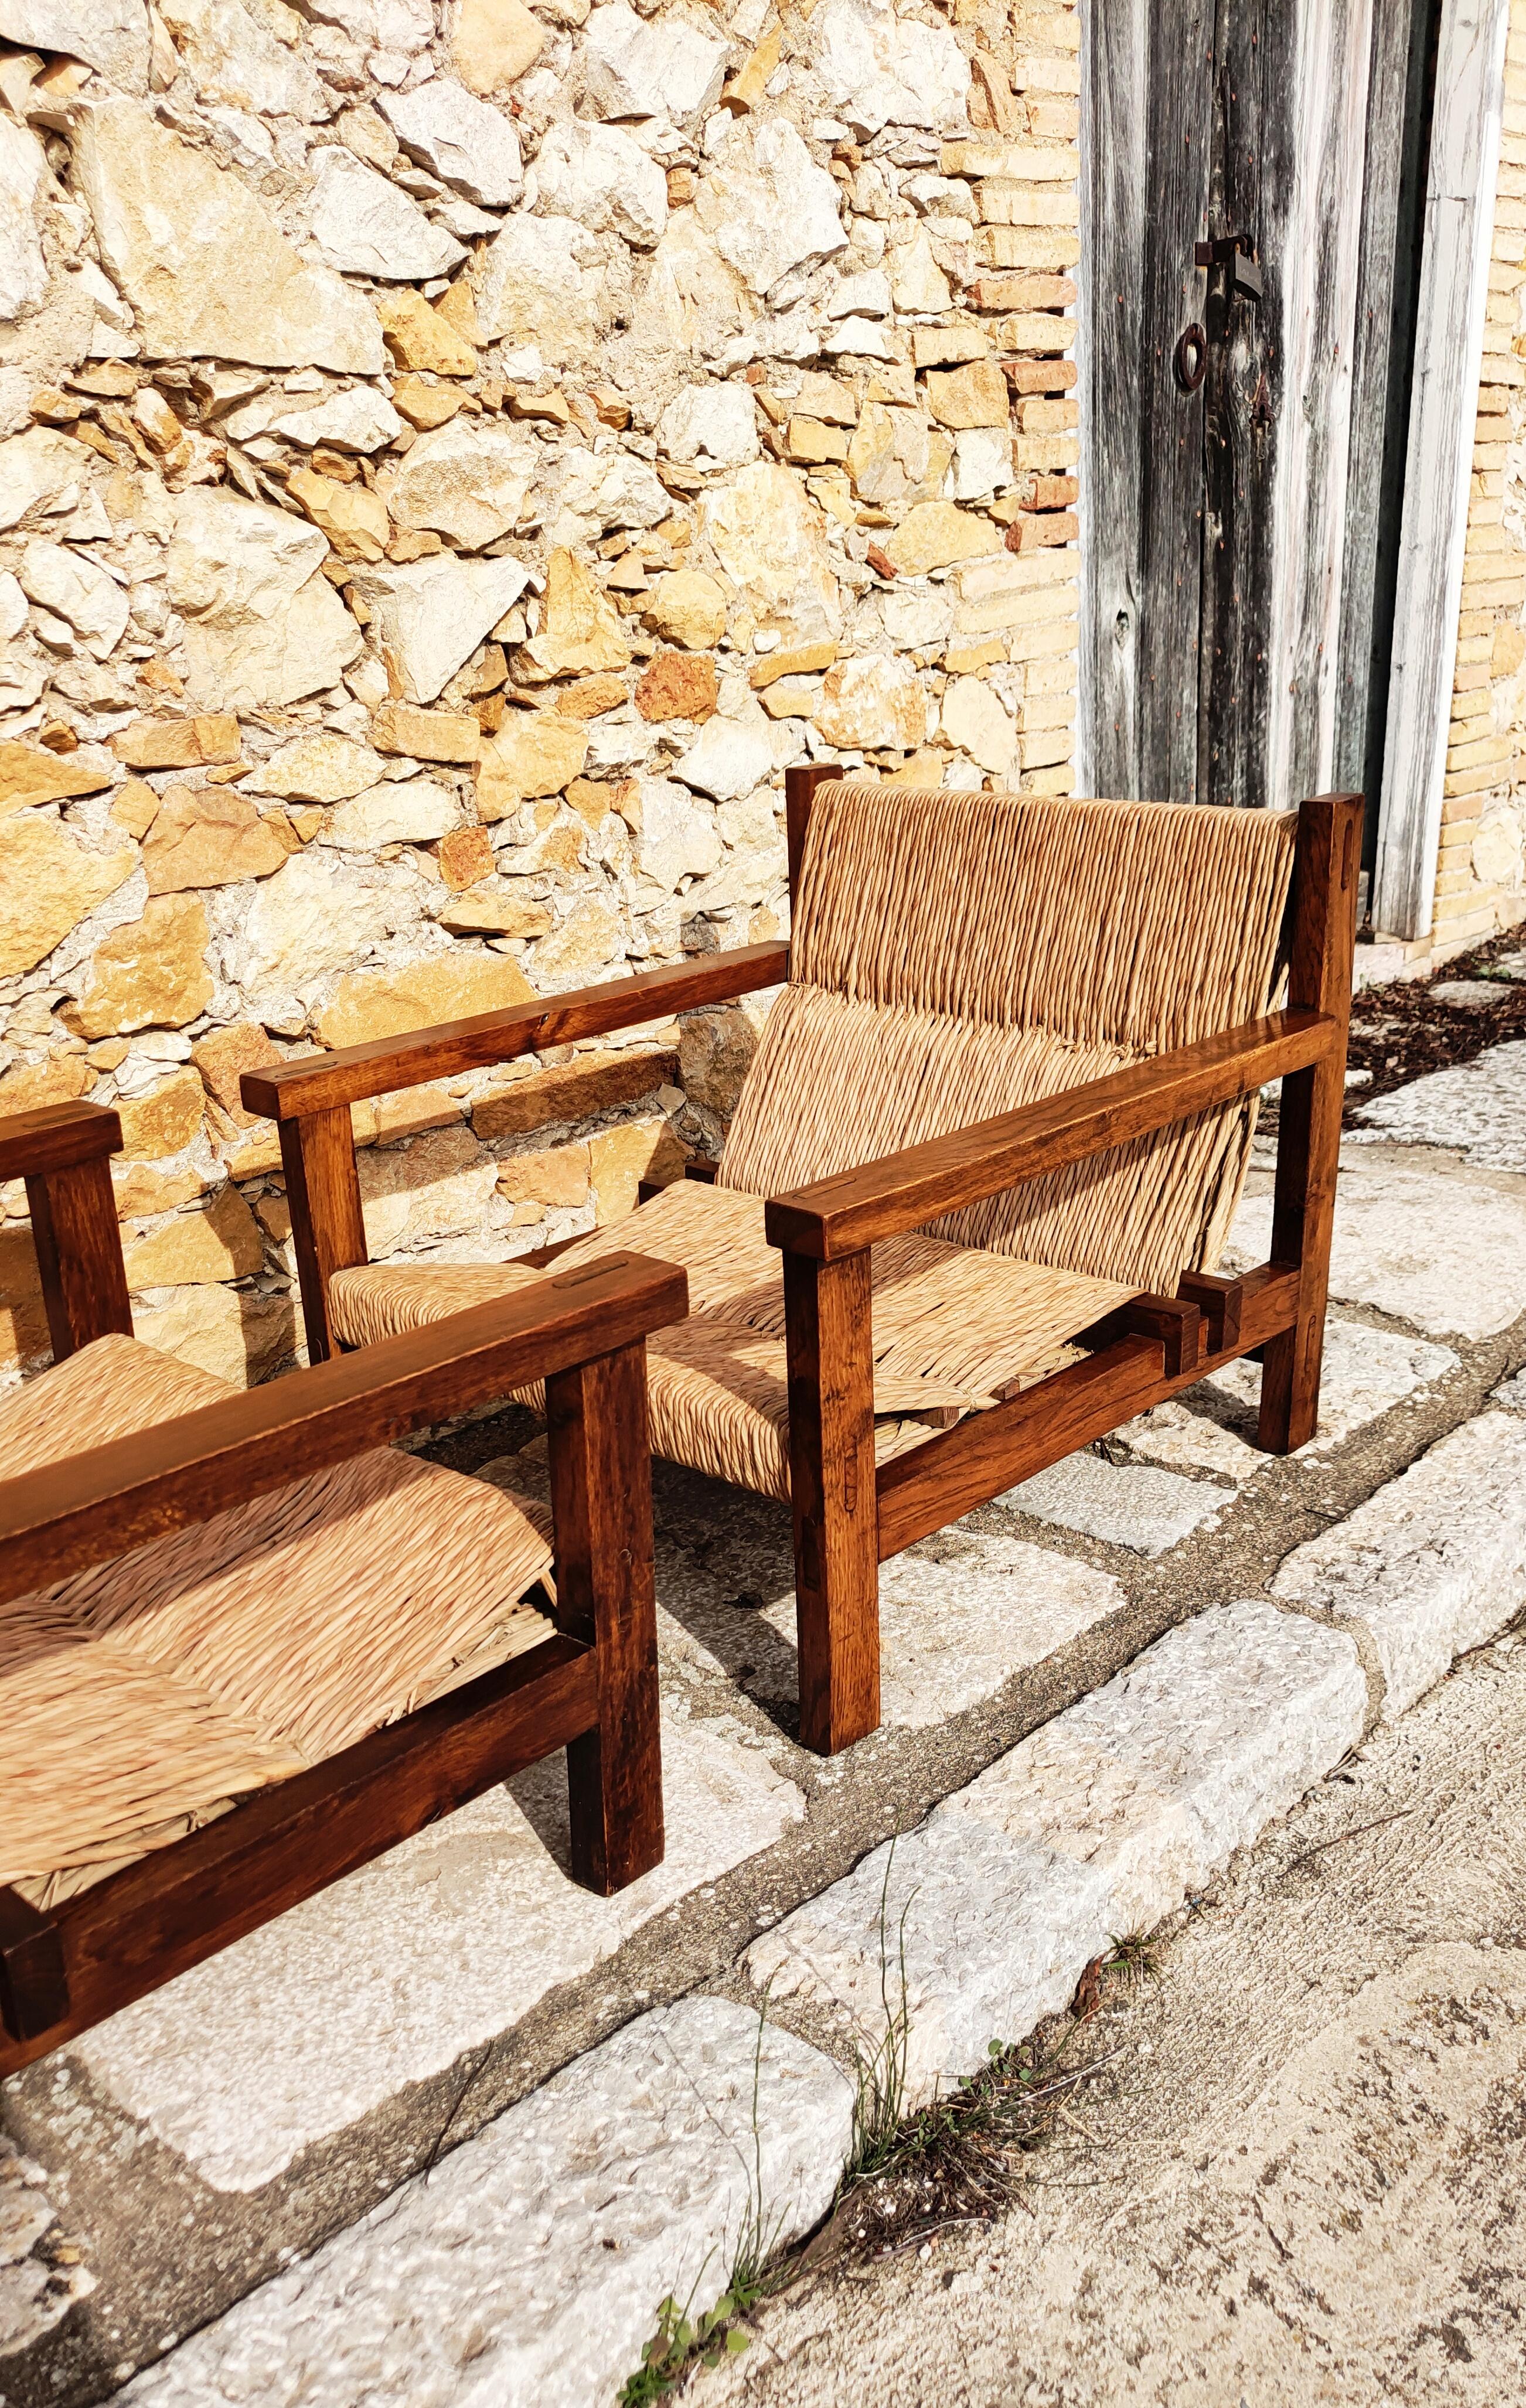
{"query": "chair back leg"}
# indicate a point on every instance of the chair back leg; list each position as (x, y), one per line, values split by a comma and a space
(1324, 928)
(832, 1497)
(601, 1501)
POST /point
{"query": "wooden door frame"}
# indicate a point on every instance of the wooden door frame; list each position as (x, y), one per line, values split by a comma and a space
(1438, 468)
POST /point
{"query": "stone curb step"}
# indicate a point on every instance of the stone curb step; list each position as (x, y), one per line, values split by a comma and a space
(529, 2266)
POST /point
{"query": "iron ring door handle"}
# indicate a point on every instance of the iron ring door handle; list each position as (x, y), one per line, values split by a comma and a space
(1191, 357)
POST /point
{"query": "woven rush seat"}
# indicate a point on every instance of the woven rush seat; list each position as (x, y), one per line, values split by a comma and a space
(954, 1327)
(142, 1697)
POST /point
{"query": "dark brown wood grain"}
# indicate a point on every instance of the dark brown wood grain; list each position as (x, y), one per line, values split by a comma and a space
(98, 1505)
(835, 1216)
(988, 1453)
(33, 1981)
(324, 1082)
(79, 1249)
(1220, 1301)
(601, 1498)
(1176, 1323)
(832, 1497)
(1323, 936)
(57, 1137)
(181, 1903)
(801, 784)
(329, 1228)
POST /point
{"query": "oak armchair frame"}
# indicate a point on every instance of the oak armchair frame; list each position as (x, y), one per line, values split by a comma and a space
(590, 1688)
(848, 1516)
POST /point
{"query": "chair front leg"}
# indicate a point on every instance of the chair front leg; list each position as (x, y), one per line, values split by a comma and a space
(601, 1501)
(829, 1344)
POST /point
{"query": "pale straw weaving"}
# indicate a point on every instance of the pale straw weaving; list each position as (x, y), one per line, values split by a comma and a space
(954, 956)
(143, 1696)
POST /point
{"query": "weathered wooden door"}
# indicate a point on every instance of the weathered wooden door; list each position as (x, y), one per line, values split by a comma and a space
(1242, 167)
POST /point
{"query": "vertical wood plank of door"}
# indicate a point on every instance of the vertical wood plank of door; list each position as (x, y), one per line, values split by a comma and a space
(328, 1231)
(606, 1596)
(831, 1472)
(1326, 870)
(78, 1247)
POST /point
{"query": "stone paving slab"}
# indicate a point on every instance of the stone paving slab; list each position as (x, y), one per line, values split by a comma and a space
(36, 2288)
(1433, 1563)
(443, 1942)
(1513, 1394)
(1212, 1427)
(1128, 1505)
(1446, 1253)
(526, 2267)
(1477, 1108)
(982, 1921)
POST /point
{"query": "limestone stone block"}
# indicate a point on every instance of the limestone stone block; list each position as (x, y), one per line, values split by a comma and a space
(210, 836)
(534, 753)
(677, 837)
(466, 480)
(420, 337)
(69, 583)
(874, 702)
(306, 922)
(715, 1051)
(716, 424)
(494, 42)
(110, 35)
(767, 205)
(686, 606)
(918, 283)
(770, 537)
(352, 517)
(193, 1249)
(600, 175)
(973, 395)
(590, 697)
(880, 69)
(150, 973)
(1433, 1563)
(588, 944)
(465, 857)
(612, 488)
(677, 686)
(236, 1335)
(657, 66)
(263, 627)
(319, 766)
(203, 261)
(466, 142)
(48, 883)
(432, 614)
(975, 719)
(165, 1119)
(574, 1091)
(492, 909)
(935, 535)
(439, 1186)
(364, 225)
(223, 1056)
(180, 743)
(579, 628)
(24, 180)
(29, 774)
(41, 473)
(407, 811)
(425, 735)
(558, 1178)
(237, 62)
(1128, 1505)
(58, 1080)
(371, 1004)
(620, 1158)
(539, 282)
(354, 420)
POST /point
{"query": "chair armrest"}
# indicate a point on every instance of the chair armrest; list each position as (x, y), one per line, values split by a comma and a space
(325, 1081)
(840, 1215)
(92, 1507)
(60, 1136)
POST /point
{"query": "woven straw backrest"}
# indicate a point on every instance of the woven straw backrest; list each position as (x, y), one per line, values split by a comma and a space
(957, 955)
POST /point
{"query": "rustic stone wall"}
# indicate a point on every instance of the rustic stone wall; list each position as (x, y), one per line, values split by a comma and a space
(455, 456)
(1481, 869)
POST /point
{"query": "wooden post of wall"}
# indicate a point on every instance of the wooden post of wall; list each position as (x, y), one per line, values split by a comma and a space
(79, 1245)
(328, 1233)
(1325, 872)
(606, 1596)
(831, 1476)
(800, 788)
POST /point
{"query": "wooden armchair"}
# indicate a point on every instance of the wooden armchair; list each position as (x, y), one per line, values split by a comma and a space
(245, 1647)
(997, 1128)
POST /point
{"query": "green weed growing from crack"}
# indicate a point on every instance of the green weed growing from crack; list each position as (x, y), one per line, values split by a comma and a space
(879, 2105)
(683, 2340)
